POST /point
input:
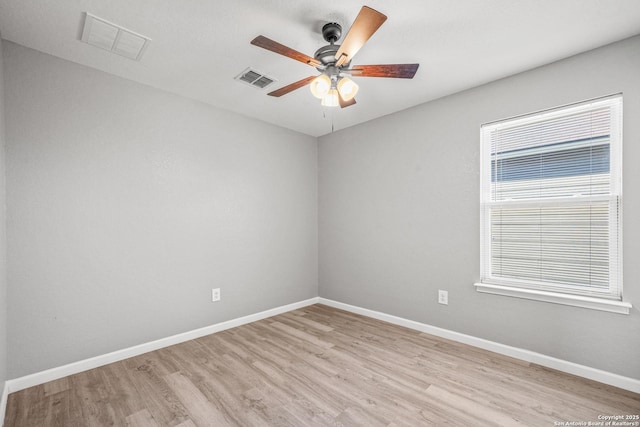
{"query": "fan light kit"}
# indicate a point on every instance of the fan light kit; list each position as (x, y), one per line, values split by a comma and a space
(333, 86)
(325, 88)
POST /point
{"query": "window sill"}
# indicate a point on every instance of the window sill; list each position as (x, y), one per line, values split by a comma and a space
(620, 307)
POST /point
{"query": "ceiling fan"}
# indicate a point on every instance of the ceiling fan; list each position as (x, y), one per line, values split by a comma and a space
(333, 86)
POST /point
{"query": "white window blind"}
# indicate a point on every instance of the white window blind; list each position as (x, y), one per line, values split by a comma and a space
(550, 200)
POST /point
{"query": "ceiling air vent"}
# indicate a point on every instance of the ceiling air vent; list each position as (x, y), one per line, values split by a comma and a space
(105, 35)
(255, 78)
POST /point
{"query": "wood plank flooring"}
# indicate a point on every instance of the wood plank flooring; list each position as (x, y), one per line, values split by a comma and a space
(318, 366)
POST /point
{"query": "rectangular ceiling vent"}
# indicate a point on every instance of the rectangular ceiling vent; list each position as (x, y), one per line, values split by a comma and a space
(255, 78)
(106, 35)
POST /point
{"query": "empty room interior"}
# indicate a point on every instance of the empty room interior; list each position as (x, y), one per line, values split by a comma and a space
(200, 226)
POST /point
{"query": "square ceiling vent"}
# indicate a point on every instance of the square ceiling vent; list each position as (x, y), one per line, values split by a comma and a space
(114, 38)
(255, 78)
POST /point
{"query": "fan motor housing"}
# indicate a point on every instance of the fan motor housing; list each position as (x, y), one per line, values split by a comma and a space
(327, 54)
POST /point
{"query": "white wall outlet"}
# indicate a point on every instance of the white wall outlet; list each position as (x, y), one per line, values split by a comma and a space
(443, 297)
(215, 294)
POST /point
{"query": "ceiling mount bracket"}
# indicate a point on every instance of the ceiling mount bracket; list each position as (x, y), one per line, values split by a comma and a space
(331, 32)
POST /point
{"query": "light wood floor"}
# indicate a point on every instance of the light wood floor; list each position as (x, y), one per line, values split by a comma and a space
(318, 366)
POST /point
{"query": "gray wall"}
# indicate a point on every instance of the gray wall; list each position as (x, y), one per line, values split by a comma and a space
(3, 240)
(399, 214)
(126, 205)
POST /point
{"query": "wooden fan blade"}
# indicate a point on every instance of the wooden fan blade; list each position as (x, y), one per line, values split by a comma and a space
(291, 87)
(343, 103)
(402, 71)
(367, 22)
(274, 46)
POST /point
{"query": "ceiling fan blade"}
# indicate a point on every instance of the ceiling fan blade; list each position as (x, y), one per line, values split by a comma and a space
(402, 71)
(274, 46)
(291, 87)
(367, 22)
(343, 103)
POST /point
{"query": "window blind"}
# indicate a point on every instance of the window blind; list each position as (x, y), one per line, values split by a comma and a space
(550, 200)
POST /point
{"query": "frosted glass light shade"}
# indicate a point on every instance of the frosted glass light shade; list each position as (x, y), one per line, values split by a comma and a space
(330, 99)
(347, 88)
(320, 86)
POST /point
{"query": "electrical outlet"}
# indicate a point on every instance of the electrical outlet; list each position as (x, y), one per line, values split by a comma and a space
(443, 297)
(215, 294)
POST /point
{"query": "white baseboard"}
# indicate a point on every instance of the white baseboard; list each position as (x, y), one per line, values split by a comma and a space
(605, 377)
(42, 377)
(3, 402)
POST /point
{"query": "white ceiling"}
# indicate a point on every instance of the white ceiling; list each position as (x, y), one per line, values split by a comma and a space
(199, 46)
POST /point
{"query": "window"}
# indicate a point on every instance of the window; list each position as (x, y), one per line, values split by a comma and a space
(551, 190)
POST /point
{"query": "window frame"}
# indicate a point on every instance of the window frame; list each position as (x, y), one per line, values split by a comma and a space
(608, 301)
